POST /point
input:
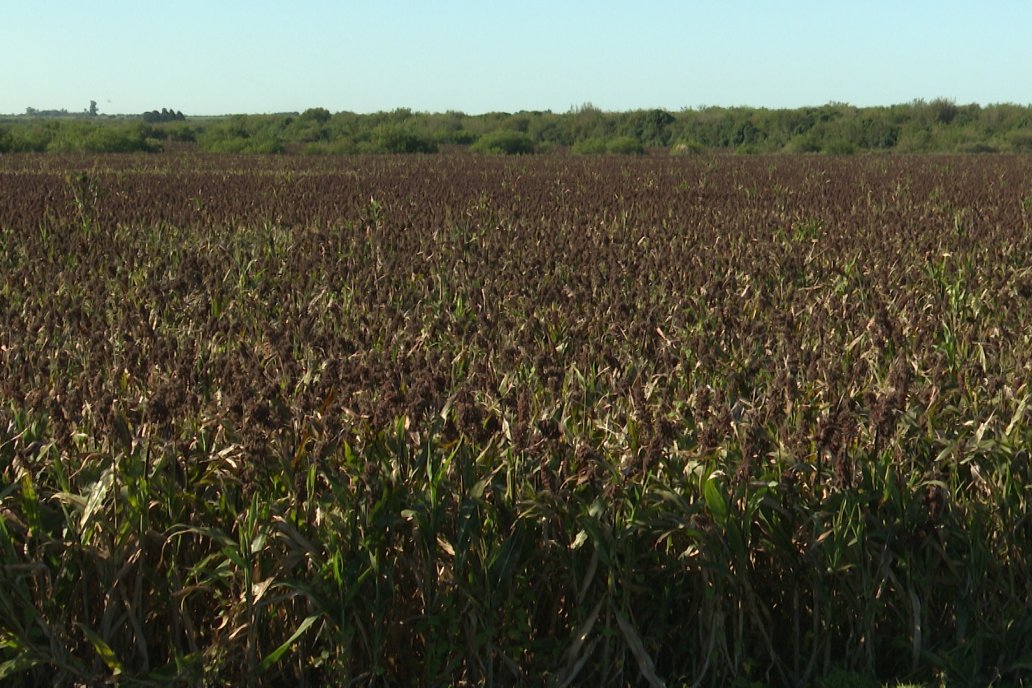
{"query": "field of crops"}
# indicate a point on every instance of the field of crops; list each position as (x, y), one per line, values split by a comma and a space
(458, 420)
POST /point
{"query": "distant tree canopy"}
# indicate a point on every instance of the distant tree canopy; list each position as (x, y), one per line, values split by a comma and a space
(166, 115)
(940, 125)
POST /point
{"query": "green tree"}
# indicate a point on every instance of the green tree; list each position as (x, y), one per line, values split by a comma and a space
(651, 128)
(319, 115)
(587, 122)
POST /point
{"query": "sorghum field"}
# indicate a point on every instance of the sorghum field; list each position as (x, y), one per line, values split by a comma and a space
(460, 420)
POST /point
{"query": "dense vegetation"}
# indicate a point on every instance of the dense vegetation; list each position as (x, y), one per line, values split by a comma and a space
(936, 126)
(459, 420)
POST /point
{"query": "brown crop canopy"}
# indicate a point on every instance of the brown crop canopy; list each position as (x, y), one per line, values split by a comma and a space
(467, 419)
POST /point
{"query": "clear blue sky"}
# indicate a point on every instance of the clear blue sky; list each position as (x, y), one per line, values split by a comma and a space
(228, 56)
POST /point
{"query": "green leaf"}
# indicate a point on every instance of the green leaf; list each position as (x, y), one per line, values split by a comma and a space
(104, 650)
(258, 543)
(275, 655)
(645, 664)
(477, 492)
(1019, 415)
(16, 666)
(22, 661)
(715, 501)
(235, 557)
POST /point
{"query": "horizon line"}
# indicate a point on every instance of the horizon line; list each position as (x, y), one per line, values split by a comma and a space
(573, 109)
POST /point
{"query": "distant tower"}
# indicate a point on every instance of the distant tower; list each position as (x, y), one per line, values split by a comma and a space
(93, 108)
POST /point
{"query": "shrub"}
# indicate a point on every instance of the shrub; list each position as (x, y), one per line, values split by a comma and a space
(504, 143)
(1020, 141)
(132, 139)
(803, 143)
(102, 139)
(178, 132)
(264, 144)
(687, 148)
(31, 139)
(463, 138)
(625, 145)
(394, 138)
(975, 147)
(914, 137)
(339, 146)
(839, 146)
(243, 135)
(590, 146)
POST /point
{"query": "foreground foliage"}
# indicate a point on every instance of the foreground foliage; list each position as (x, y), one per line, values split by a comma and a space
(484, 420)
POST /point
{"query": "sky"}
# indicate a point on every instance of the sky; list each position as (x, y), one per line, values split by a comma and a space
(215, 57)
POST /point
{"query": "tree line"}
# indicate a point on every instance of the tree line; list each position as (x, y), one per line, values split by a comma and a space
(938, 125)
